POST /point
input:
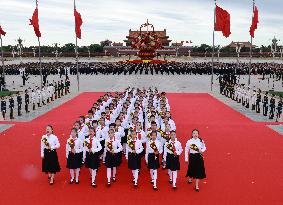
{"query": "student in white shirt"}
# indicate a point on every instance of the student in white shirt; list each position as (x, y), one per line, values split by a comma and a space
(48, 147)
(172, 151)
(195, 147)
(74, 155)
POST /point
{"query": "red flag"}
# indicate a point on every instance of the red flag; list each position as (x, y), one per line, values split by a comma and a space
(34, 23)
(2, 32)
(222, 21)
(78, 22)
(254, 23)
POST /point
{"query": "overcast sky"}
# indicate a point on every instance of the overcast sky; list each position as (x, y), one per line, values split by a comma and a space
(112, 19)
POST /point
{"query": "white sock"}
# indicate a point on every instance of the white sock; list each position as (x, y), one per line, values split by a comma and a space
(170, 174)
(154, 177)
(72, 174)
(136, 175)
(174, 173)
(151, 173)
(114, 172)
(77, 174)
(93, 175)
(108, 174)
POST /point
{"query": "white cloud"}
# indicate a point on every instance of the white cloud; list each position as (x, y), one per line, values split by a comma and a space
(183, 19)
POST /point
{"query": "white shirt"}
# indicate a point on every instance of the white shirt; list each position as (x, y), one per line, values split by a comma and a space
(52, 141)
(116, 145)
(158, 145)
(177, 147)
(138, 148)
(78, 146)
(200, 144)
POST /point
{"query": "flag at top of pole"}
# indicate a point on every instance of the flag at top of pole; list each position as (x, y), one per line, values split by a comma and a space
(2, 32)
(222, 21)
(34, 22)
(78, 23)
(254, 22)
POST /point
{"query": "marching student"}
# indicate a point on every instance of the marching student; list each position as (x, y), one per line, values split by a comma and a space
(112, 148)
(195, 147)
(172, 151)
(133, 150)
(153, 150)
(3, 107)
(74, 150)
(49, 145)
(92, 148)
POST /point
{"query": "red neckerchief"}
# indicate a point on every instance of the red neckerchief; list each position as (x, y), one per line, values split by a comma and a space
(139, 135)
(108, 117)
(90, 141)
(173, 144)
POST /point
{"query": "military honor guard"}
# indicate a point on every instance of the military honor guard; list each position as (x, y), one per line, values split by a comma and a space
(11, 106)
(26, 101)
(3, 107)
(194, 156)
(74, 150)
(19, 101)
(48, 147)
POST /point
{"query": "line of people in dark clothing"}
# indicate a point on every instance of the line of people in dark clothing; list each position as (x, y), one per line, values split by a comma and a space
(33, 98)
(251, 98)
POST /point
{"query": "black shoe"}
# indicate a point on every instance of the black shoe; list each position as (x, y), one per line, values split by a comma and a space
(71, 181)
(197, 189)
(93, 184)
(189, 182)
(151, 181)
(108, 184)
(155, 188)
(135, 185)
(114, 179)
(133, 181)
(77, 182)
(174, 187)
(170, 182)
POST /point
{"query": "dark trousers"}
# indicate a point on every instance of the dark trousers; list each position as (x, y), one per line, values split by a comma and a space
(11, 113)
(257, 107)
(265, 109)
(26, 107)
(19, 109)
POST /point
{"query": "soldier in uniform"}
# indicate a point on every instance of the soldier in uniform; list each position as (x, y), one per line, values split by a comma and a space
(272, 107)
(279, 109)
(265, 104)
(3, 107)
(26, 101)
(19, 101)
(11, 106)
(258, 101)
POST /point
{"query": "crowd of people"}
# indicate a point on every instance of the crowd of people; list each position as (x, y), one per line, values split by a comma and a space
(265, 103)
(33, 98)
(190, 68)
(125, 127)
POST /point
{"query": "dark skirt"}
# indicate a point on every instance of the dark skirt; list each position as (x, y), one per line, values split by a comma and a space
(92, 160)
(74, 161)
(124, 139)
(119, 158)
(103, 146)
(111, 160)
(142, 154)
(196, 167)
(50, 163)
(172, 162)
(153, 161)
(134, 161)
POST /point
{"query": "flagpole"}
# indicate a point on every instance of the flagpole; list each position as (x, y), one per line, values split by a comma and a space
(251, 47)
(3, 66)
(76, 51)
(213, 50)
(39, 55)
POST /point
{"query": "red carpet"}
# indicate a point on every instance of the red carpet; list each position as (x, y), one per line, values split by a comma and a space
(243, 161)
